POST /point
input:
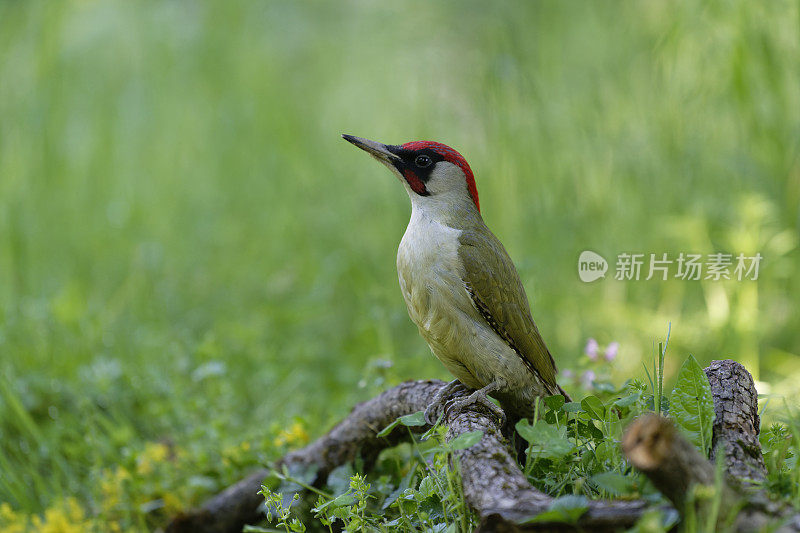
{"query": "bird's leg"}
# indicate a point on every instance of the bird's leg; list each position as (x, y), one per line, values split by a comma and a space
(480, 396)
(437, 404)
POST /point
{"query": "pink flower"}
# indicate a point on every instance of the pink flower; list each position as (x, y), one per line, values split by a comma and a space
(611, 351)
(591, 349)
(587, 379)
(567, 373)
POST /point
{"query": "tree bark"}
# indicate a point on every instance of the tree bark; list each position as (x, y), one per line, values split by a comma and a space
(736, 421)
(495, 487)
(493, 484)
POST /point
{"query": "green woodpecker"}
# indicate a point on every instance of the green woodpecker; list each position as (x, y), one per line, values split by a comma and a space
(460, 286)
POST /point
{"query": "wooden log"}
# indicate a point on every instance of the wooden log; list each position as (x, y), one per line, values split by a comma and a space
(492, 481)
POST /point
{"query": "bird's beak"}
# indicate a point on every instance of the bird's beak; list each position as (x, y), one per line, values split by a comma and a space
(377, 150)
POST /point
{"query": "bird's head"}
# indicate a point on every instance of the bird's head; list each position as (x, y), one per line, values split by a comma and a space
(432, 172)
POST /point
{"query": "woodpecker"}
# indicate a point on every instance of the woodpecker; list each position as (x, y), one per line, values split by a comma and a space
(461, 287)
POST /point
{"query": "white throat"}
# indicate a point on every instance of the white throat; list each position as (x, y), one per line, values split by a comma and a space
(448, 200)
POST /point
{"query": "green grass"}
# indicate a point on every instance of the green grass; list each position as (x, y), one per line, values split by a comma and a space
(190, 255)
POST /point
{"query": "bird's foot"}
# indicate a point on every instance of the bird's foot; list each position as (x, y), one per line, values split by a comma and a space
(480, 396)
(437, 405)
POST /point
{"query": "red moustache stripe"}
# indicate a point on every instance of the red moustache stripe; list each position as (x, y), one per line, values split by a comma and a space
(416, 184)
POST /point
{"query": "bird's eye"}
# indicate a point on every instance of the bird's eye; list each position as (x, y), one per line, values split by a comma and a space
(423, 161)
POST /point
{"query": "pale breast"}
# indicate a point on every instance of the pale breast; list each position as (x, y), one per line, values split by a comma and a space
(427, 260)
(430, 275)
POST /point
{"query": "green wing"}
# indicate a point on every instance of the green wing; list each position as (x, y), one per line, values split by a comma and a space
(498, 294)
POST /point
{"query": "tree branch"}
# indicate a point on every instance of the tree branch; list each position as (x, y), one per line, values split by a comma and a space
(492, 481)
(354, 436)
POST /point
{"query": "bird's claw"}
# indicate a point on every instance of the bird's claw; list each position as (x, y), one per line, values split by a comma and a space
(437, 405)
(431, 417)
(480, 397)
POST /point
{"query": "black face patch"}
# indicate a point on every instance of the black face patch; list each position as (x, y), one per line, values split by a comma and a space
(419, 162)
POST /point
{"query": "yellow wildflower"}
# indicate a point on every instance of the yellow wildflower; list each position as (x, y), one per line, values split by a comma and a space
(63, 517)
(172, 503)
(153, 454)
(11, 521)
(296, 434)
(112, 487)
(235, 453)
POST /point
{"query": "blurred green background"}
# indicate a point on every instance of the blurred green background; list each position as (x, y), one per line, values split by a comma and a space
(191, 256)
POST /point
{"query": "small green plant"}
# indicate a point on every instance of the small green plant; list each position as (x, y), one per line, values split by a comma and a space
(692, 406)
(275, 502)
(573, 448)
(656, 379)
(414, 487)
